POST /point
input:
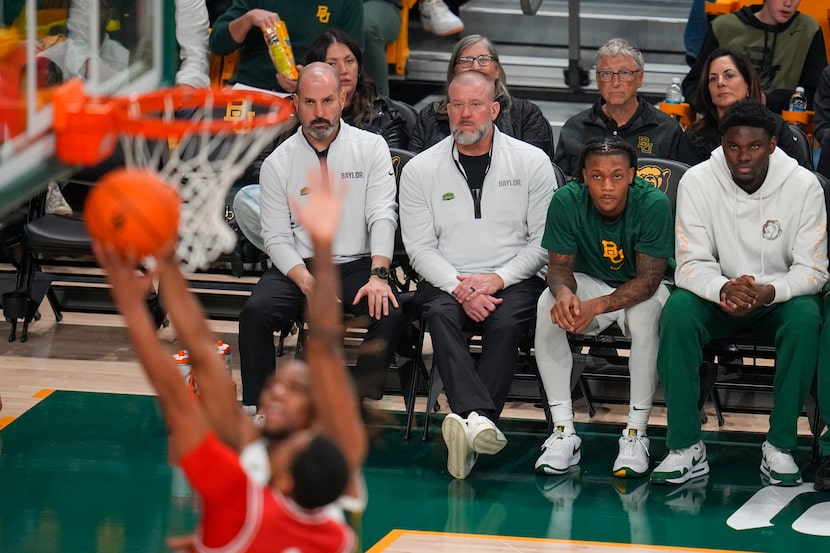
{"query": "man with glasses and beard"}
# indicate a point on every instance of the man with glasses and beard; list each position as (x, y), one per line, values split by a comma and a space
(619, 111)
(325, 144)
(472, 217)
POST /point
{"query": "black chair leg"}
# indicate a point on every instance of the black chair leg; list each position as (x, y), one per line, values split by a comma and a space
(417, 364)
(54, 303)
(589, 397)
(817, 427)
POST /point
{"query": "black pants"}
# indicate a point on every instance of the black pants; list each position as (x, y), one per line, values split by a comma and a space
(824, 160)
(483, 389)
(276, 300)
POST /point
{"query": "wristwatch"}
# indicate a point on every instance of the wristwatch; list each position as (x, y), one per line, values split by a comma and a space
(381, 272)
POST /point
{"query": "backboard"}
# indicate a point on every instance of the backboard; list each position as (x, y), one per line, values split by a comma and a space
(45, 42)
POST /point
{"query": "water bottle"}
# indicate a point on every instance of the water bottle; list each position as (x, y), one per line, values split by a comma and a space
(674, 94)
(224, 351)
(798, 102)
(182, 359)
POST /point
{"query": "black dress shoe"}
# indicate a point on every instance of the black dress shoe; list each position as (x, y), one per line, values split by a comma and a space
(822, 483)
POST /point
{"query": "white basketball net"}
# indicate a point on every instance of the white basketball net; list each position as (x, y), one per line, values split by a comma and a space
(201, 166)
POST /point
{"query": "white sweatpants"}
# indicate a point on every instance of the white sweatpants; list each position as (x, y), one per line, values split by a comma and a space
(555, 360)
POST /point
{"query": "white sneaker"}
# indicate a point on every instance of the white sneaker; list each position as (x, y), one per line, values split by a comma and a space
(779, 466)
(633, 459)
(681, 465)
(460, 456)
(483, 435)
(559, 452)
(55, 202)
(437, 18)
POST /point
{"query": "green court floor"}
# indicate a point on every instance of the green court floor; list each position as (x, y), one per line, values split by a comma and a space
(88, 473)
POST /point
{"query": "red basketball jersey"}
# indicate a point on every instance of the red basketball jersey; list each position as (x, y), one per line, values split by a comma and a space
(241, 516)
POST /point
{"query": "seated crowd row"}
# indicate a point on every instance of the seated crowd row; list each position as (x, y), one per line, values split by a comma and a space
(480, 222)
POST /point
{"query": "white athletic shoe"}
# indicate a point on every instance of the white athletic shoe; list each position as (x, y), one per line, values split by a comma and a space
(484, 436)
(559, 452)
(681, 465)
(436, 18)
(779, 466)
(633, 459)
(460, 456)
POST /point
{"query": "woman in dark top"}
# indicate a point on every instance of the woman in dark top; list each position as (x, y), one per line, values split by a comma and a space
(364, 107)
(518, 118)
(726, 78)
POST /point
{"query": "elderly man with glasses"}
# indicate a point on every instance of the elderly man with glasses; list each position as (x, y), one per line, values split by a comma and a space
(619, 111)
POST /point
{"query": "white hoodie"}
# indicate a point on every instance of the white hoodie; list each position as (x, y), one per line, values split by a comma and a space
(778, 234)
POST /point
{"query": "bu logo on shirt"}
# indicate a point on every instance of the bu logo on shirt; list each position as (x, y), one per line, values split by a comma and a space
(613, 253)
(323, 14)
(645, 145)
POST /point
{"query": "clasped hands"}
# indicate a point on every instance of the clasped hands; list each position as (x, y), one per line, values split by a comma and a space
(572, 314)
(741, 295)
(475, 294)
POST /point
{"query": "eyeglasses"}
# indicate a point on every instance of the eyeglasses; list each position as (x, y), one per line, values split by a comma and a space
(624, 75)
(483, 60)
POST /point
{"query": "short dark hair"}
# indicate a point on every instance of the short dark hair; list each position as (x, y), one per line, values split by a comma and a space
(605, 146)
(748, 113)
(320, 473)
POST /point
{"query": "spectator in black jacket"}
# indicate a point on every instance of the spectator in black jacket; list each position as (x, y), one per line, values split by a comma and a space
(822, 121)
(363, 108)
(620, 111)
(727, 78)
(785, 46)
(518, 118)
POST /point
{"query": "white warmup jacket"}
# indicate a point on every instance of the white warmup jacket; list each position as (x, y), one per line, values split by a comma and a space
(443, 238)
(778, 234)
(357, 159)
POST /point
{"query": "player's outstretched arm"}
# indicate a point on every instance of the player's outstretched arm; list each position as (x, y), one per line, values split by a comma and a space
(332, 390)
(217, 395)
(188, 424)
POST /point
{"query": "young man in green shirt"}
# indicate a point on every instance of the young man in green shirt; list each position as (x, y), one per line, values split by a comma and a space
(609, 239)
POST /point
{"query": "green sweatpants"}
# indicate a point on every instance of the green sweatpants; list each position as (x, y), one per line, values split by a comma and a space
(689, 322)
(824, 376)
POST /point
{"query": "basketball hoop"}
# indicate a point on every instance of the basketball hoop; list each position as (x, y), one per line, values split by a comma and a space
(199, 140)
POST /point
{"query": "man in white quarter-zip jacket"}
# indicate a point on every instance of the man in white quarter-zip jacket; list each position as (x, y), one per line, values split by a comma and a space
(473, 213)
(751, 250)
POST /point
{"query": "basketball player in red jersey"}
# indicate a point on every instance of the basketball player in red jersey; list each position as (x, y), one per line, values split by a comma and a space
(306, 468)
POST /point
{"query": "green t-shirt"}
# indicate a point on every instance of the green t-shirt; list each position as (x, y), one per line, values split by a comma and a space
(606, 250)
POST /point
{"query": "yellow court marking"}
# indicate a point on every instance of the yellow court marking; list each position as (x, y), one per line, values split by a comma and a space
(5, 421)
(46, 392)
(413, 541)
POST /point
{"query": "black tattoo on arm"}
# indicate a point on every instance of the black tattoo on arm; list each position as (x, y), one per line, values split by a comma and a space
(561, 272)
(650, 272)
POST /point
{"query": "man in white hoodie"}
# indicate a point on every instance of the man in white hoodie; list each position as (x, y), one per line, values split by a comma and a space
(472, 217)
(751, 250)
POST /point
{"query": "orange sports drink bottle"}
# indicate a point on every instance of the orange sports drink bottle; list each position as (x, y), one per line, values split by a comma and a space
(279, 46)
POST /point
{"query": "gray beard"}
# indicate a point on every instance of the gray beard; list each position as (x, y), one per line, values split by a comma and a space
(470, 138)
(317, 135)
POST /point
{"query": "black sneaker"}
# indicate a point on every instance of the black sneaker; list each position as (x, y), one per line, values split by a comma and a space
(822, 483)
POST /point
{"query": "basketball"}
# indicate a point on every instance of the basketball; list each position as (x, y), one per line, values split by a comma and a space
(133, 210)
